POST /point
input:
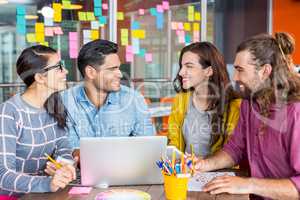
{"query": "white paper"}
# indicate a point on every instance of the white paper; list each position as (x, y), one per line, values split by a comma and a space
(199, 180)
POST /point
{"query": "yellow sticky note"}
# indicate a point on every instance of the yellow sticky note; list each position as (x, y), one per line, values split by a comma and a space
(187, 26)
(124, 41)
(66, 4)
(40, 37)
(197, 16)
(90, 16)
(31, 37)
(39, 28)
(120, 16)
(57, 7)
(191, 14)
(45, 43)
(124, 32)
(82, 16)
(196, 27)
(94, 34)
(138, 34)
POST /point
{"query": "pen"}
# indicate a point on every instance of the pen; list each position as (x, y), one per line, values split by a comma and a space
(57, 165)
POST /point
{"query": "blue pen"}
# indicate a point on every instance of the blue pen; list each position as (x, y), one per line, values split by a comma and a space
(177, 168)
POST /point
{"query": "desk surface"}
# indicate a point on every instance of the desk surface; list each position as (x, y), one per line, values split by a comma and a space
(156, 192)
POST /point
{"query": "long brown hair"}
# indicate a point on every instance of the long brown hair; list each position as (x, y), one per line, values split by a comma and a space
(220, 90)
(283, 84)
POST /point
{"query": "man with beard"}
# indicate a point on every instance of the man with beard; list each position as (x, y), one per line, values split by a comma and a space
(268, 129)
(101, 106)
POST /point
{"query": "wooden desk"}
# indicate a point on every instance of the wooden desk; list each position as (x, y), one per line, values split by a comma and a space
(156, 192)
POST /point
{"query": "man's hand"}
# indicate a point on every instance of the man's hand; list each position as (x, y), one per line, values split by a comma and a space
(76, 156)
(229, 184)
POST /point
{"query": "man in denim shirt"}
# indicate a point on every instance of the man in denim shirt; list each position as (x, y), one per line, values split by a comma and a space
(101, 106)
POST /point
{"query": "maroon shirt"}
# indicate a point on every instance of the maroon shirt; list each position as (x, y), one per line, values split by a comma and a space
(273, 153)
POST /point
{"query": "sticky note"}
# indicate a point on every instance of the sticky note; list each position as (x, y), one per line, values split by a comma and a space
(135, 45)
(141, 11)
(45, 43)
(58, 31)
(187, 26)
(191, 14)
(57, 7)
(39, 28)
(153, 11)
(48, 21)
(129, 49)
(159, 20)
(174, 26)
(94, 34)
(148, 57)
(49, 31)
(30, 37)
(66, 4)
(142, 52)
(180, 26)
(105, 6)
(181, 40)
(197, 16)
(21, 10)
(196, 36)
(94, 25)
(159, 8)
(138, 34)
(103, 20)
(120, 16)
(124, 37)
(86, 33)
(165, 5)
(196, 26)
(21, 19)
(129, 57)
(40, 36)
(97, 11)
(82, 16)
(188, 39)
(98, 3)
(135, 25)
(90, 16)
(73, 36)
(80, 190)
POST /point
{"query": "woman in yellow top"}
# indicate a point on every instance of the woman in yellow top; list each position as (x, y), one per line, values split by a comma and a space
(205, 110)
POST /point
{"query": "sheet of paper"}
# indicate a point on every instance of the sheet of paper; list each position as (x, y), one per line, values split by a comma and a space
(165, 5)
(120, 16)
(148, 57)
(80, 190)
(191, 13)
(199, 180)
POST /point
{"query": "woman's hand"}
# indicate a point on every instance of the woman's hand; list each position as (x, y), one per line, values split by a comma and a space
(62, 177)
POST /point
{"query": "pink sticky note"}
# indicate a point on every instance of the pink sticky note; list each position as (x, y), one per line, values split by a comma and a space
(73, 36)
(129, 49)
(80, 190)
(48, 31)
(129, 57)
(58, 31)
(105, 6)
(159, 8)
(181, 40)
(180, 26)
(141, 11)
(165, 5)
(180, 33)
(148, 57)
(174, 25)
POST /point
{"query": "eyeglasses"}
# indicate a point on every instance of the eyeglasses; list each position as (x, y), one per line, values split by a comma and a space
(58, 65)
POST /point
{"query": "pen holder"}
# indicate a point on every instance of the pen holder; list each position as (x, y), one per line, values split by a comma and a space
(175, 188)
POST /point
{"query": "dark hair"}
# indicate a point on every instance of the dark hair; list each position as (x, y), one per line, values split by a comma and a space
(31, 61)
(93, 53)
(283, 84)
(219, 86)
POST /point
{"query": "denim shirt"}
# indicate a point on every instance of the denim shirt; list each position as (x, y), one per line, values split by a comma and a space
(124, 113)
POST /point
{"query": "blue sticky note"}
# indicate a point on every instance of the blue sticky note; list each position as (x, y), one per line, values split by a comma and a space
(142, 52)
(188, 38)
(98, 11)
(48, 21)
(135, 46)
(153, 11)
(97, 3)
(102, 20)
(21, 19)
(21, 29)
(159, 21)
(21, 10)
(135, 25)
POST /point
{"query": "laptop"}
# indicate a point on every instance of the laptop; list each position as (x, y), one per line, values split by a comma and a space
(111, 161)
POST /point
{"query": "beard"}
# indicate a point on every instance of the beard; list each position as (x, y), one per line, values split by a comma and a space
(243, 90)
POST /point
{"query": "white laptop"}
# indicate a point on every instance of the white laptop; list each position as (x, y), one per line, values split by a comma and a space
(121, 160)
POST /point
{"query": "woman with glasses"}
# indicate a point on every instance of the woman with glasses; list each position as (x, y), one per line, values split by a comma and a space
(205, 109)
(32, 124)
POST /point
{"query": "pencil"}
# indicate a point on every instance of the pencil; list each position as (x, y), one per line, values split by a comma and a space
(193, 163)
(173, 159)
(57, 165)
(182, 164)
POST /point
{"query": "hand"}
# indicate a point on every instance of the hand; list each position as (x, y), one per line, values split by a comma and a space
(229, 184)
(62, 177)
(50, 168)
(201, 165)
(76, 156)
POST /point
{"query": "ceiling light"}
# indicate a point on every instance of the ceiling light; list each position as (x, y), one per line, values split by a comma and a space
(73, 7)
(47, 12)
(3, 1)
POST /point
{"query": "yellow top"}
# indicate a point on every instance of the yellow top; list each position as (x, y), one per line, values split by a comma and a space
(176, 119)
